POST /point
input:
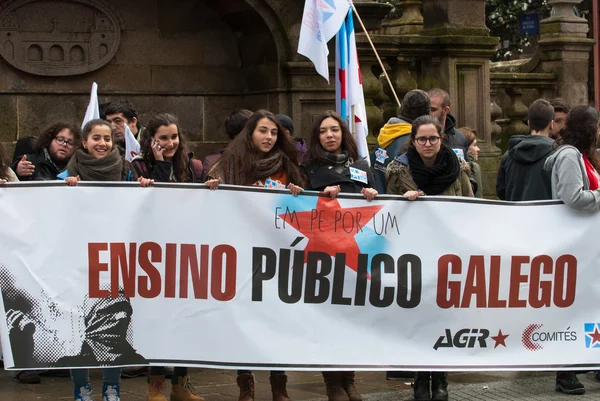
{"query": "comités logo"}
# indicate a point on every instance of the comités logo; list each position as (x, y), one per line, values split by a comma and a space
(592, 335)
(533, 338)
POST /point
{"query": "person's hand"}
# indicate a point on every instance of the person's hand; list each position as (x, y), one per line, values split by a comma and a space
(157, 150)
(369, 193)
(2, 181)
(214, 183)
(412, 195)
(332, 191)
(12, 319)
(25, 168)
(144, 182)
(72, 181)
(295, 189)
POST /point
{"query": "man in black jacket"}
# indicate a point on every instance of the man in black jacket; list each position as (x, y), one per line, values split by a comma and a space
(53, 150)
(440, 109)
(521, 176)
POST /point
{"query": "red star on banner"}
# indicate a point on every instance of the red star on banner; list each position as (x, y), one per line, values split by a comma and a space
(331, 228)
(500, 339)
(595, 336)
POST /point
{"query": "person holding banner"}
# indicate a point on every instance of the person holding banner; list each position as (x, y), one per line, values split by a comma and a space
(165, 156)
(262, 155)
(429, 167)
(574, 170)
(333, 166)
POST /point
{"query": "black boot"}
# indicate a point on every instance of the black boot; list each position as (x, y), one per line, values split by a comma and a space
(421, 387)
(439, 386)
(568, 383)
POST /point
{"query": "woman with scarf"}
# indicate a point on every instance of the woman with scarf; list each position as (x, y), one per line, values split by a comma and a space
(165, 156)
(333, 166)
(99, 160)
(574, 170)
(428, 168)
(262, 155)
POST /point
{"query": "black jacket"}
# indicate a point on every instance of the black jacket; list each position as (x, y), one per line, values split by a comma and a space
(521, 176)
(324, 176)
(45, 169)
(161, 170)
(454, 138)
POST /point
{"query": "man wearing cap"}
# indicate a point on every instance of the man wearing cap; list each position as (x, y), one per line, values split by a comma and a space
(288, 126)
(396, 133)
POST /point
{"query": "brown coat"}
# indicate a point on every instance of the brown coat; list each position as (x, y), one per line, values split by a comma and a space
(399, 180)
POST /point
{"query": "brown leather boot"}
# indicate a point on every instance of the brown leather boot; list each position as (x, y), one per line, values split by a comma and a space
(278, 387)
(348, 383)
(334, 382)
(184, 391)
(156, 389)
(245, 382)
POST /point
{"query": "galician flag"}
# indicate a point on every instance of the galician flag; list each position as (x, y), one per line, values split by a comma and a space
(349, 96)
(93, 110)
(320, 22)
(132, 146)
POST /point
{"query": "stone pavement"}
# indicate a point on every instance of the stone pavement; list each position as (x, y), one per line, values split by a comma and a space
(219, 385)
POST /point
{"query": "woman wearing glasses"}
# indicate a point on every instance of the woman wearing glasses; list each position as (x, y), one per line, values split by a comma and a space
(428, 168)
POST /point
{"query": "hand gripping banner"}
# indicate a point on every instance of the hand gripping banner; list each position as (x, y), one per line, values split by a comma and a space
(116, 274)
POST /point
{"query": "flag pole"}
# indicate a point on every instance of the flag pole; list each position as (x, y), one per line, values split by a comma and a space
(376, 54)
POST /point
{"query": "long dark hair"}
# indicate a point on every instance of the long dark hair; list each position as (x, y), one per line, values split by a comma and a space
(581, 131)
(46, 137)
(241, 156)
(4, 162)
(316, 154)
(181, 160)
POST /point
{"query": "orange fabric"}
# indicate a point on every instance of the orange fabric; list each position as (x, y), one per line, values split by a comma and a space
(278, 180)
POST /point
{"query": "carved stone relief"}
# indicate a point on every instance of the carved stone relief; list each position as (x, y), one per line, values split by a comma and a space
(59, 38)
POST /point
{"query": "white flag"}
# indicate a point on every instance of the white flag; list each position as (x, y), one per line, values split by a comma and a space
(132, 146)
(320, 22)
(93, 111)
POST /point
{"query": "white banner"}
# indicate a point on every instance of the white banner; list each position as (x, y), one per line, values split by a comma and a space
(116, 274)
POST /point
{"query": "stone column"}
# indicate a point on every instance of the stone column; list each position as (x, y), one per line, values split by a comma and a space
(565, 50)
(459, 63)
(411, 21)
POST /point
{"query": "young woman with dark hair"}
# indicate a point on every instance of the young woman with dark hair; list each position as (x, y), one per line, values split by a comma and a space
(165, 156)
(428, 168)
(333, 166)
(261, 155)
(574, 170)
(473, 151)
(6, 173)
(98, 159)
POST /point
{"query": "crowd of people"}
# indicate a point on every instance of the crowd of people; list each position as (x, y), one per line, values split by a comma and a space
(420, 152)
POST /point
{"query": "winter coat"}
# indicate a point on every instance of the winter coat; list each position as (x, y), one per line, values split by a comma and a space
(476, 177)
(390, 141)
(521, 175)
(325, 175)
(400, 181)
(570, 182)
(45, 169)
(454, 138)
(162, 170)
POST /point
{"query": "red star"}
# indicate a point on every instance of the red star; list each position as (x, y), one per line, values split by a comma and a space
(331, 228)
(595, 336)
(500, 339)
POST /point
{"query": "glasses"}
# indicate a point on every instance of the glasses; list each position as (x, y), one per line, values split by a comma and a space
(63, 141)
(422, 140)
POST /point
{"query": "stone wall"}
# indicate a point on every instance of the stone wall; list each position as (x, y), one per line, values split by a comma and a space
(198, 59)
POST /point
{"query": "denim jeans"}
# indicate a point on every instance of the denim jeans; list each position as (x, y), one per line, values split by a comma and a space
(81, 377)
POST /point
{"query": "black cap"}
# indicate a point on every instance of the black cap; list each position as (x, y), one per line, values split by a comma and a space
(287, 122)
(415, 104)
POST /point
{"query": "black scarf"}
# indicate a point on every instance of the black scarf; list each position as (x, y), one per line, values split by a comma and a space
(434, 180)
(332, 159)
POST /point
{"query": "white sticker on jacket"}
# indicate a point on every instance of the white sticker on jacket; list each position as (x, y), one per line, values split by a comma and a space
(358, 175)
(459, 152)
